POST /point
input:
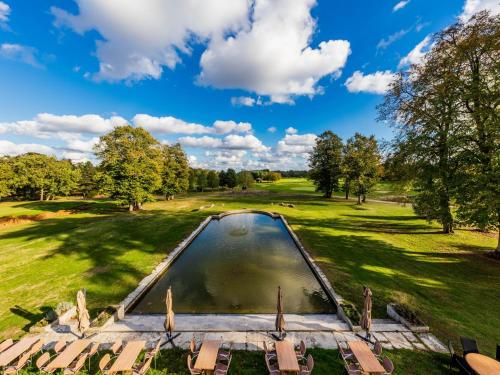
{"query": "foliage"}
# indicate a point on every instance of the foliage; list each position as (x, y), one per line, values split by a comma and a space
(88, 184)
(6, 177)
(43, 177)
(325, 161)
(201, 179)
(213, 179)
(175, 170)
(360, 165)
(245, 179)
(230, 179)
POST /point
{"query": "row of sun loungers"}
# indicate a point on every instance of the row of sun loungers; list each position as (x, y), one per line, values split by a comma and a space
(72, 357)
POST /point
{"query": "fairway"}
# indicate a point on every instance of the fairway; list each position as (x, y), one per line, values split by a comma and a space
(107, 250)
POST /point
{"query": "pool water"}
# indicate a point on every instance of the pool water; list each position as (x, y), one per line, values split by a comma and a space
(235, 265)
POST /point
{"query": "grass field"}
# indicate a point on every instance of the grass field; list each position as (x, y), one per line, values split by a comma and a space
(107, 250)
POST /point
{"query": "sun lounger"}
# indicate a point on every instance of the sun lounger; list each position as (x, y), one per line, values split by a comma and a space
(6, 344)
(24, 359)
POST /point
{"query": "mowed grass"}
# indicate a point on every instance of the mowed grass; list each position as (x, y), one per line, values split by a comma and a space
(446, 278)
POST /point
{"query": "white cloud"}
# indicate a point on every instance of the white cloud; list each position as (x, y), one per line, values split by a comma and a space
(272, 129)
(202, 142)
(272, 56)
(400, 5)
(4, 14)
(45, 125)
(82, 146)
(375, 83)
(224, 127)
(473, 6)
(172, 125)
(11, 149)
(245, 101)
(139, 38)
(169, 125)
(296, 144)
(384, 43)
(291, 130)
(417, 54)
(230, 142)
(18, 52)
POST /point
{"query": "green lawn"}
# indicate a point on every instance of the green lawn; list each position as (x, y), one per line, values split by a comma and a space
(108, 250)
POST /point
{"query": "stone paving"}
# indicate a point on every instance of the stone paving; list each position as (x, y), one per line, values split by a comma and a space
(248, 332)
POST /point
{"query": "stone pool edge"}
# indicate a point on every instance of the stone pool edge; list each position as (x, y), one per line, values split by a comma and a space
(158, 271)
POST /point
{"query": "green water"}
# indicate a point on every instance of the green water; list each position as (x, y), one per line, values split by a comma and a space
(235, 265)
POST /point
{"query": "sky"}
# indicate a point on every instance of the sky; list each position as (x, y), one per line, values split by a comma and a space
(244, 84)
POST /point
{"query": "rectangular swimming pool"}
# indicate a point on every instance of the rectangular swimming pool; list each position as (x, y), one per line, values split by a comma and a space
(235, 265)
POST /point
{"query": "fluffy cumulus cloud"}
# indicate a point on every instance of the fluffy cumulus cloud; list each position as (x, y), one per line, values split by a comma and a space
(375, 83)
(4, 14)
(272, 56)
(139, 38)
(473, 6)
(245, 101)
(18, 52)
(400, 5)
(44, 125)
(12, 149)
(417, 54)
(229, 142)
(172, 125)
(272, 129)
(296, 144)
(291, 130)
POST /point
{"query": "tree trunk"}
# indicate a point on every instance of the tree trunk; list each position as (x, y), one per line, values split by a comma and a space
(131, 207)
(346, 187)
(41, 194)
(359, 198)
(364, 198)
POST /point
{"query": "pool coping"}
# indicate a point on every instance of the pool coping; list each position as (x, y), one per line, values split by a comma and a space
(133, 297)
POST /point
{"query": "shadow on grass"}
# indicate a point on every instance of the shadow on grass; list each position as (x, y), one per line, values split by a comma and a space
(31, 317)
(110, 253)
(101, 206)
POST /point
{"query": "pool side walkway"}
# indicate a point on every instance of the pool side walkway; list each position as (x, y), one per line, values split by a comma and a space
(248, 332)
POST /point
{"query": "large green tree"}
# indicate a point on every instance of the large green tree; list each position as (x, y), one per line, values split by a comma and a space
(360, 165)
(325, 163)
(423, 106)
(213, 179)
(245, 179)
(474, 69)
(6, 177)
(88, 183)
(131, 159)
(175, 171)
(230, 178)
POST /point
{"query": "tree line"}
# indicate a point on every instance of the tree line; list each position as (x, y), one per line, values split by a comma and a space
(133, 168)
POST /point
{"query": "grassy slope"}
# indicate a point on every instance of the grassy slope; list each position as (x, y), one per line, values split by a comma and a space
(382, 245)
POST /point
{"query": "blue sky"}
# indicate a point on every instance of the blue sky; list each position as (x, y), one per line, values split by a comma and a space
(241, 83)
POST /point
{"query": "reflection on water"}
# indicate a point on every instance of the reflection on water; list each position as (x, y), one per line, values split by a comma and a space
(235, 266)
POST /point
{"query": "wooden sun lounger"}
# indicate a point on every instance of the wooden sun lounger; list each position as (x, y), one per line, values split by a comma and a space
(127, 357)
(16, 350)
(66, 358)
(23, 359)
(6, 344)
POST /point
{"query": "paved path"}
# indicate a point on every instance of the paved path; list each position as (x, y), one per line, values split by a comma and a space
(248, 332)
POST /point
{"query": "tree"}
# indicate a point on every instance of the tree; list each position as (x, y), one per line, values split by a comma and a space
(201, 179)
(175, 171)
(88, 183)
(131, 158)
(213, 179)
(222, 178)
(325, 161)
(360, 165)
(245, 179)
(474, 68)
(231, 180)
(274, 176)
(423, 106)
(6, 177)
